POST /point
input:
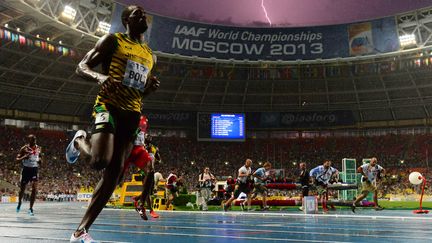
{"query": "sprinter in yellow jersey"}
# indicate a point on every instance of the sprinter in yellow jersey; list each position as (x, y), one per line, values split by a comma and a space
(125, 80)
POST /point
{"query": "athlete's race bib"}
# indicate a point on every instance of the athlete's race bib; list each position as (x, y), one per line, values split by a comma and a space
(135, 75)
(102, 117)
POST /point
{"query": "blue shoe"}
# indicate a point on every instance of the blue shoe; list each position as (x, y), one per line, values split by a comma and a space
(18, 208)
(30, 212)
(72, 153)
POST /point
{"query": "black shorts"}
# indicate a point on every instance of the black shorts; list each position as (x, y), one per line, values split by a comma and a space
(172, 190)
(305, 191)
(110, 119)
(242, 187)
(260, 188)
(29, 174)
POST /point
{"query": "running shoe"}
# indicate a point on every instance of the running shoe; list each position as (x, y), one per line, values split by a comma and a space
(83, 238)
(242, 206)
(142, 213)
(225, 208)
(378, 208)
(153, 214)
(325, 210)
(136, 203)
(353, 208)
(18, 208)
(72, 153)
(301, 208)
(30, 212)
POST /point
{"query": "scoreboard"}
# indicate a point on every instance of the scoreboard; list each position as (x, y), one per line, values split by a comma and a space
(221, 127)
(227, 126)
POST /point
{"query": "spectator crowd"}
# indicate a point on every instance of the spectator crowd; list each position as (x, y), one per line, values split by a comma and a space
(399, 154)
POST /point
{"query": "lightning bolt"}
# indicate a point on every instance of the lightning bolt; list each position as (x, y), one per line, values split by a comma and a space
(265, 12)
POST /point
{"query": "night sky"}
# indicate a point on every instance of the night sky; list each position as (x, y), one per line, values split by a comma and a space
(280, 12)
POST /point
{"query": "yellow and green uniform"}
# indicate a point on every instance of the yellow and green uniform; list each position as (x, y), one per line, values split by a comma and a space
(130, 66)
(154, 150)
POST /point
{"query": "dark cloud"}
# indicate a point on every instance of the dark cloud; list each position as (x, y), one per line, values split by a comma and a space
(281, 12)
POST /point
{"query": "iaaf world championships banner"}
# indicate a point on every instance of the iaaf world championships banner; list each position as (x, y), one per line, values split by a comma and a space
(307, 43)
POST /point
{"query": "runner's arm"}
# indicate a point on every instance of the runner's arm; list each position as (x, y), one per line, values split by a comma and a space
(102, 52)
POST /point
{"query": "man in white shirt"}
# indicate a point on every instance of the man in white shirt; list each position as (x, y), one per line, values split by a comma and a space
(158, 177)
(206, 183)
(242, 184)
(370, 173)
(322, 175)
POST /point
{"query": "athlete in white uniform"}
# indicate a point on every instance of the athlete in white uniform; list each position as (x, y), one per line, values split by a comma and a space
(30, 156)
(370, 174)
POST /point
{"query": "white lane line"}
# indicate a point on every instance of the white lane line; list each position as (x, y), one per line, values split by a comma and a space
(165, 224)
(232, 237)
(327, 225)
(409, 237)
(34, 238)
(337, 221)
(50, 238)
(359, 220)
(269, 214)
(181, 234)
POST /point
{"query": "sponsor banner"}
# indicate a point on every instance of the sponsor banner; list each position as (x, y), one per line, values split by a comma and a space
(254, 119)
(410, 198)
(171, 118)
(84, 197)
(241, 43)
(377, 36)
(360, 36)
(8, 199)
(5, 199)
(300, 119)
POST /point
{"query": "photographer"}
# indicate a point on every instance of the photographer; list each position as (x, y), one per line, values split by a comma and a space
(260, 178)
(322, 175)
(304, 181)
(371, 172)
(206, 184)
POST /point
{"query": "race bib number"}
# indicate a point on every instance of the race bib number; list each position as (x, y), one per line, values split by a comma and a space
(135, 75)
(102, 117)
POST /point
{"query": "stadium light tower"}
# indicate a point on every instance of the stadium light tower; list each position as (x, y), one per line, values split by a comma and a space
(68, 14)
(407, 41)
(103, 28)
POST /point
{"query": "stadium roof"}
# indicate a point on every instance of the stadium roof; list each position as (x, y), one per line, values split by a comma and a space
(32, 79)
